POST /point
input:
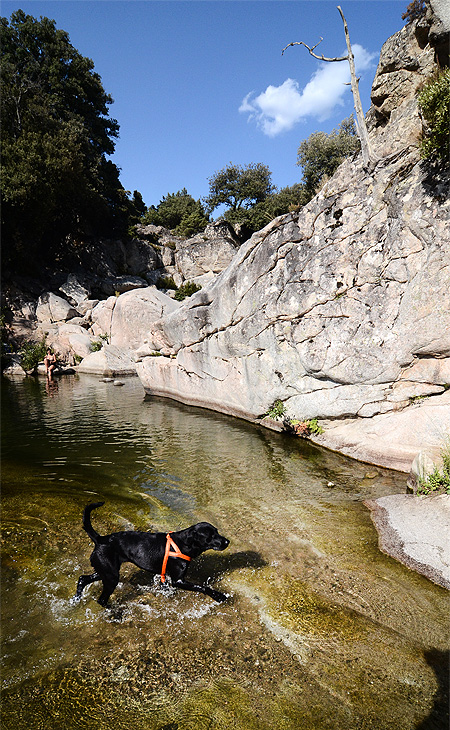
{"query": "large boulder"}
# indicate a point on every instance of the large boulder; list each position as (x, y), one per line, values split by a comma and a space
(74, 290)
(110, 361)
(70, 340)
(208, 252)
(52, 308)
(123, 321)
(331, 309)
(101, 316)
(134, 312)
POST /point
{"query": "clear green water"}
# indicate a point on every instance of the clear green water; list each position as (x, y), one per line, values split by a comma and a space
(321, 630)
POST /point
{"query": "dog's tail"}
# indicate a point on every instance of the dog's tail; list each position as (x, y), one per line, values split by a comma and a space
(95, 537)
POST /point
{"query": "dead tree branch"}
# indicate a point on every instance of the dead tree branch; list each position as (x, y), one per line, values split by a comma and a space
(311, 51)
(360, 121)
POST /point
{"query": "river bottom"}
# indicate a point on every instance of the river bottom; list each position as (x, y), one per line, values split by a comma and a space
(320, 629)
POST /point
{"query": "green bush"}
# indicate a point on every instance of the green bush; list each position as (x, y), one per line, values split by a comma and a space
(438, 481)
(179, 212)
(321, 154)
(192, 224)
(286, 200)
(305, 428)
(434, 102)
(313, 426)
(186, 290)
(277, 410)
(32, 353)
(166, 282)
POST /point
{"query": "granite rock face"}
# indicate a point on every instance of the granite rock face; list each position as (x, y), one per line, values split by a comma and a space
(196, 259)
(342, 311)
(207, 252)
(52, 308)
(132, 313)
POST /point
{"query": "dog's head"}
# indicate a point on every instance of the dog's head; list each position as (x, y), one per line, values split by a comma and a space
(204, 536)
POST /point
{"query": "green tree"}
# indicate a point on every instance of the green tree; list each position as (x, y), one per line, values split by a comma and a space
(138, 204)
(415, 10)
(321, 154)
(136, 210)
(434, 102)
(56, 181)
(238, 187)
(277, 203)
(179, 212)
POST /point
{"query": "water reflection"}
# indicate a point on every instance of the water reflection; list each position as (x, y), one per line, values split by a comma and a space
(321, 630)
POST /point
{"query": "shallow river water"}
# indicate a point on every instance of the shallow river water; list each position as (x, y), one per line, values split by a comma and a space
(321, 630)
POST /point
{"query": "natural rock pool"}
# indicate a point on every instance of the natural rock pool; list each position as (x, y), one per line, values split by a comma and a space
(321, 630)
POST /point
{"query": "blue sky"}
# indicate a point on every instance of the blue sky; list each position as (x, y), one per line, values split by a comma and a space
(200, 84)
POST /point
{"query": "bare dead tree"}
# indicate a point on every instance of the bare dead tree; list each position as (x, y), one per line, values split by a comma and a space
(360, 121)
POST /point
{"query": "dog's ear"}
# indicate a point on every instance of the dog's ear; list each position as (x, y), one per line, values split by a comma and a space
(201, 535)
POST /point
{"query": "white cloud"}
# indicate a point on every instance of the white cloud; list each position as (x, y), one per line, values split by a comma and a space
(279, 108)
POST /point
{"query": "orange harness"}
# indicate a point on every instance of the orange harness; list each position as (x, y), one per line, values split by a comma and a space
(168, 554)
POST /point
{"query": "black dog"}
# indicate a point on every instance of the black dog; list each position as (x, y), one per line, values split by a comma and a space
(149, 551)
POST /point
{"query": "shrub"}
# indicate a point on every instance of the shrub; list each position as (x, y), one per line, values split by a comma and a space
(186, 290)
(434, 102)
(438, 481)
(166, 282)
(321, 154)
(306, 428)
(179, 212)
(277, 410)
(32, 353)
(415, 10)
(191, 224)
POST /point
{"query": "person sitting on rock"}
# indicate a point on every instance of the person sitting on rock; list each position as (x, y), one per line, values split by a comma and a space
(50, 363)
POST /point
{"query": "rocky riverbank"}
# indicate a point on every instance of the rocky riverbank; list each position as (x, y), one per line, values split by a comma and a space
(415, 531)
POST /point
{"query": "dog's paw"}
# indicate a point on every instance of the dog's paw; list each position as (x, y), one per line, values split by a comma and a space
(219, 597)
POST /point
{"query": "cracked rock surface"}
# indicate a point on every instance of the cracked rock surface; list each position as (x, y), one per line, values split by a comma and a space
(342, 310)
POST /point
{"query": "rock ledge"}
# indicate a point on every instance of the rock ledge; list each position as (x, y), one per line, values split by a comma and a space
(415, 531)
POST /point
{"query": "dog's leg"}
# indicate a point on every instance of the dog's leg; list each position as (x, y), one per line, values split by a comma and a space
(106, 564)
(206, 590)
(109, 584)
(84, 581)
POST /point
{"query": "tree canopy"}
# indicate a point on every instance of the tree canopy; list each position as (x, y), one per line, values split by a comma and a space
(415, 10)
(179, 212)
(238, 186)
(57, 180)
(321, 154)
